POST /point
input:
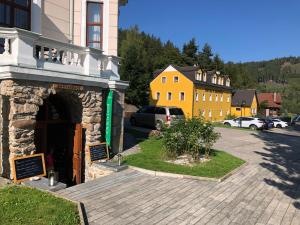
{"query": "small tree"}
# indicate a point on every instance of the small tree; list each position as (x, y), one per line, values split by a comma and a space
(189, 137)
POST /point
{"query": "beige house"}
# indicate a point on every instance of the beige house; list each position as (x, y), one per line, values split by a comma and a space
(58, 62)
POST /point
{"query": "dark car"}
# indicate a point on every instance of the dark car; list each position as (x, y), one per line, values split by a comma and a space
(296, 120)
(268, 124)
(156, 116)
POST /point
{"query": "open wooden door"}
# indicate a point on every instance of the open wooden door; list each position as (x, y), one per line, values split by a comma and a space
(77, 154)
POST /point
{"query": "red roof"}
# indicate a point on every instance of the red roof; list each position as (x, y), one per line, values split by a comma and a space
(273, 99)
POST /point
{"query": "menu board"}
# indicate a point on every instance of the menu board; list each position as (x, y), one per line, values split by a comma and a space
(98, 152)
(29, 166)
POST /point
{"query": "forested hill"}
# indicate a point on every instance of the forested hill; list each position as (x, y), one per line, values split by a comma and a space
(143, 53)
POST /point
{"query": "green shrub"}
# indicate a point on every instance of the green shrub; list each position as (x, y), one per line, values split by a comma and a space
(189, 137)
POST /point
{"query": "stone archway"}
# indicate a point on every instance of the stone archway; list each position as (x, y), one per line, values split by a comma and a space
(58, 133)
(24, 98)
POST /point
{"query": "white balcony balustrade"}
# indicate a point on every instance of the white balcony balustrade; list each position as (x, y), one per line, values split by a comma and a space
(20, 48)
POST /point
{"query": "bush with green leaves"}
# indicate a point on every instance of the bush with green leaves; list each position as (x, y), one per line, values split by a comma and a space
(191, 137)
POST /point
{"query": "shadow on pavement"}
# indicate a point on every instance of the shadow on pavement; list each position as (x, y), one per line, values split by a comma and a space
(282, 157)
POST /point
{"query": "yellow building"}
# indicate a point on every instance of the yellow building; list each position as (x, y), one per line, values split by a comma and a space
(244, 103)
(196, 92)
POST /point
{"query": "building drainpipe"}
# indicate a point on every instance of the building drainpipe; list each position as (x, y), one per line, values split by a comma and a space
(71, 31)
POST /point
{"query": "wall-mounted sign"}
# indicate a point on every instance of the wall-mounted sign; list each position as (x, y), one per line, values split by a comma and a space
(67, 87)
(98, 152)
(28, 166)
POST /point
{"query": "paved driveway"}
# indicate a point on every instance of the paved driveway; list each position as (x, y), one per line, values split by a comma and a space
(266, 191)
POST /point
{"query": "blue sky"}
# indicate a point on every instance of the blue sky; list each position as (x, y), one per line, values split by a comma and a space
(239, 30)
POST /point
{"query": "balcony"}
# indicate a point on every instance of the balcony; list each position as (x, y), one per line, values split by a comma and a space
(30, 56)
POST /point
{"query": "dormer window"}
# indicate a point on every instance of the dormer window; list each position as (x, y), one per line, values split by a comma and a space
(214, 79)
(204, 77)
(199, 75)
(228, 82)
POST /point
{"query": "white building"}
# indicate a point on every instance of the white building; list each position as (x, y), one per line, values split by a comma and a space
(53, 85)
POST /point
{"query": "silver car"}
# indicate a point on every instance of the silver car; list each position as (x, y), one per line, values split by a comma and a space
(156, 116)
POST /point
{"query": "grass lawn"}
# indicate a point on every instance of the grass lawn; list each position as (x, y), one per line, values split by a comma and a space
(151, 153)
(21, 205)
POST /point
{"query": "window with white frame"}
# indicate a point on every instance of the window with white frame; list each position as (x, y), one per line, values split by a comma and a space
(214, 79)
(198, 76)
(181, 96)
(203, 112)
(163, 80)
(203, 97)
(221, 98)
(217, 98)
(204, 77)
(228, 98)
(157, 95)
(209, 114)
(210, 97)
(197, 97)
(221, 112)
(176, 79)
(227, 82)
(169, 96)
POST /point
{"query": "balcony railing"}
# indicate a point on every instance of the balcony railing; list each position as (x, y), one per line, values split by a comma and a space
(27, 49)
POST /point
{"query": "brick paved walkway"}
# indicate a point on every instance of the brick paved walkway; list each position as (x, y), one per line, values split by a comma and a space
(266, 191)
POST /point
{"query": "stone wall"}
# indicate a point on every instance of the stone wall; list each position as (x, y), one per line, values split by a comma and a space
(25, 98)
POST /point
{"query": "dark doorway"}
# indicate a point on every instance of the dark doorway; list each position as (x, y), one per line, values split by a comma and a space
(60, 138)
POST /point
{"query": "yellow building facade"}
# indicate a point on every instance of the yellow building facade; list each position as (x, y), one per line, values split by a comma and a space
(197, 93)
(244, 103)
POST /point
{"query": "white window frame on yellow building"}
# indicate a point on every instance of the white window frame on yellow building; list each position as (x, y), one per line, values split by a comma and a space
(197, 97)
(180, 95)
(169, 94)
(157, 95)
(216, 98)
(203, 98)
(174, 79)
(164, 80)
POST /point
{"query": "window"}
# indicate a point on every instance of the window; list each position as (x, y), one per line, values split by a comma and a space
(15, 13)
(209, 114)
(157, 95)
(163, 80)
(176, 79)
(169, 96)
(238, 109)
(221, 112)
(94, 25)
(204, 77)
(214, 79)
(160, 110)
(228, 99)
(221, 98)
(210, 97)
(227, 82)
(217, 98)
(198, 76)
(197, 97)
(181, 96)
(203, 97)
(175, 111)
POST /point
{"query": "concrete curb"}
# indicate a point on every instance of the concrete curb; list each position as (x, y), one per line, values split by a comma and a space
(182, 176)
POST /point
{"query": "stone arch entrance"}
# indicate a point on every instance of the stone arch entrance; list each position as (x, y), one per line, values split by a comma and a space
(58, 134)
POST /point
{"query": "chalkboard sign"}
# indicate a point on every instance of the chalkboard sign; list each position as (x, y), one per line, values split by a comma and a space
(29, 166)
(98, 152)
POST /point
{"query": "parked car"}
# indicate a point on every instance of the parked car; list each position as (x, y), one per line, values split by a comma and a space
(246, 122)
(296, 120)
(156, 116)
(279, 123)
(268, 123)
